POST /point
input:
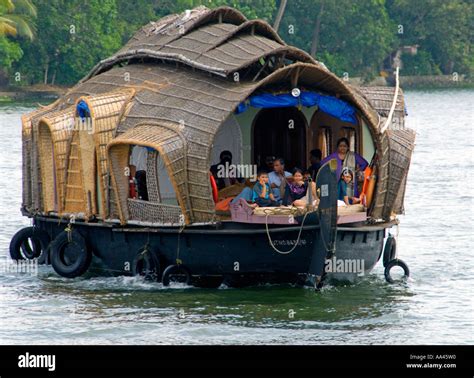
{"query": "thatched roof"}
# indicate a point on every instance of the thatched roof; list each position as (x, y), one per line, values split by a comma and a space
(381, 99)
(221, 41)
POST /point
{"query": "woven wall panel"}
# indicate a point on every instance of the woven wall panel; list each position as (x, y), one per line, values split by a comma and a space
(32, 192)
(58, 126)
(167, 140)
(74, 201)
(106, 111)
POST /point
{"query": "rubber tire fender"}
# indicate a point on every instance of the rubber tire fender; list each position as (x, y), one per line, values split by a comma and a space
(391, 264)
(146, 264)
(83, 254)
(175, 270)
(390, 250)
(40, 241)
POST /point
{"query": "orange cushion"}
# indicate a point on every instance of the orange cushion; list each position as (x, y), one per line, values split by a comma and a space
(224, 205)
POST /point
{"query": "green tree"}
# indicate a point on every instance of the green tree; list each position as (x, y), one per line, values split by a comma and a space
(16, 18)
(15, 21)
(354, 36)
(442, 29)
(72, 37)
(264, 9)
(348, 36)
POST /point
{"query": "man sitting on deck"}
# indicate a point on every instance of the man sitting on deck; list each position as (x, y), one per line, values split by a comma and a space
(278, 179)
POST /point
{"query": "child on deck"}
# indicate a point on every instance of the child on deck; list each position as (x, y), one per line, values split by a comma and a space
(345, 187)
(262, 193)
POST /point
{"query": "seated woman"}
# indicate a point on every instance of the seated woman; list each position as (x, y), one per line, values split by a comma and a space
(346, 187)
(296, 192)
(262, 193)
(349, 159)
(296, 188)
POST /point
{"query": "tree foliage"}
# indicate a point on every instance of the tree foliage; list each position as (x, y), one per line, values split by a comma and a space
(352, 37)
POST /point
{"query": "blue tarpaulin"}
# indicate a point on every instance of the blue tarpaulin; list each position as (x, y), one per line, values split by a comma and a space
(327, 104)
(83, 110)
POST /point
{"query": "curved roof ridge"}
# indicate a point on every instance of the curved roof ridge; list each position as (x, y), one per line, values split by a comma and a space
(222, 48)
(195, 17)
(262, 26)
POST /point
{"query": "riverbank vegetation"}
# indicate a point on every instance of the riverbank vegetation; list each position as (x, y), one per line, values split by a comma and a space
(56, 42)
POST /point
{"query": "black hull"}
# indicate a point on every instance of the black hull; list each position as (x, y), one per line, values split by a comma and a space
(232, 250)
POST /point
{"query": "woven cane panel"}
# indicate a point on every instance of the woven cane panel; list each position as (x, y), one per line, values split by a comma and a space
(74, 201)
(119, 165)
(61, 125)
(88, 168)
(152, 177)
(381, 98)
(27, 199)
(401, 148)
(106, 111)
(165, 140)
(46, 156)
(31, 166)
(146, 211)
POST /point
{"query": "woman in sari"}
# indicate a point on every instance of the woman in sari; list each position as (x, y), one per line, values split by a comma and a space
(349, 159)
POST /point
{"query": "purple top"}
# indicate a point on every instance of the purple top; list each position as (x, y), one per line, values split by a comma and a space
(294, 192)
(358, 159)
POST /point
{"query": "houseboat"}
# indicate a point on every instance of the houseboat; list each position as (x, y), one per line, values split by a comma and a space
(183, 90)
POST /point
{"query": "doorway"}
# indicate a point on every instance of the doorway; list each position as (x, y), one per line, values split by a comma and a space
(280, 132)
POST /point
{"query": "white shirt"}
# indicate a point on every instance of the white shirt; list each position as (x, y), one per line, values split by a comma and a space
(275, 178)
(139, 158)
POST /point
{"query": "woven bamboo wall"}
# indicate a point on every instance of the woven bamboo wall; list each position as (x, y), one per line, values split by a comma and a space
(402, 143)
(32, 198)
(106, 111)
(170, 143)
(55, 129)
(74, 201)
(26, 137)
(381, 99)
(89, 171)
(397, 148)
(119, 160)
(153, 185)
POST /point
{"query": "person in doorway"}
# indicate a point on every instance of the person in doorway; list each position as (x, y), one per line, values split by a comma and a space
(349, 159)
(138, 161)
(220, 171)
(278, 179)
(345, 187)
(262, 194)
(268, 167)
(315, 157)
